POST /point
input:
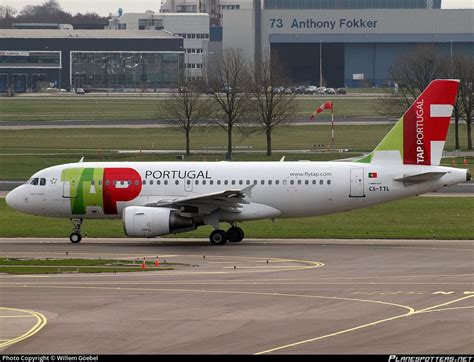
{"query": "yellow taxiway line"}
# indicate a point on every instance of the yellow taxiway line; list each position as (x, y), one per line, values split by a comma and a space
(41, 321)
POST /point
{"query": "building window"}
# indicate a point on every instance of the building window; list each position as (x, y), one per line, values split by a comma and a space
(30, 59)
(125, 70)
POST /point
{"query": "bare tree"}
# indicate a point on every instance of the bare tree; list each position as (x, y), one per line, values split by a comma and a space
(7, 16)
(414, 71)
(227, 82)
(48, 12)
(6, 11)
(187, 105)
(463, 69)
(457, 113)
(270, 104)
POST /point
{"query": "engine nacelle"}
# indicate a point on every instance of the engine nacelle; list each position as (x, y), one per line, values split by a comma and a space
(140, 221)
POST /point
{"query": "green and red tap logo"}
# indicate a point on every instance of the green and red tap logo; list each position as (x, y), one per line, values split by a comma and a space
(100, 187)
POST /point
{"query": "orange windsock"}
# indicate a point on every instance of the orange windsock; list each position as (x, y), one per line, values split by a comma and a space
(322, 107)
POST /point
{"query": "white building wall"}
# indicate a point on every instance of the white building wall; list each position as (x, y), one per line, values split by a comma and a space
(239, 31)
(193, 27)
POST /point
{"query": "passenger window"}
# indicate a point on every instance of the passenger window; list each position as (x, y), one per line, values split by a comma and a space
(100, 182)
(233, 182)
(165, 182)
(314, 182)
(218, 182)
(241, 182)
(292, 182)
(284, 182)
(255, 182)
(151, 182)
(92, 182)
(176, 182)
(269, 182)
(321, 182)
(226, 182)
(107, 182)
(188, 182)
(277, 182)
(35, 181)
(196, 182)
(306, 182)
(158, 182)
(122, 182)
(329, 182)
(203, 182)
(42, 181)
(247, 182)
(299, 182)
(115, 182)
(137, 182)
(262, 182)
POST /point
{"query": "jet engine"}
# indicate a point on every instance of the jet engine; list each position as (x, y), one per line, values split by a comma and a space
(139, 221)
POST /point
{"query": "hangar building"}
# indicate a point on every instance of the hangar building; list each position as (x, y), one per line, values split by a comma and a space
(95, 59)
(351, 42)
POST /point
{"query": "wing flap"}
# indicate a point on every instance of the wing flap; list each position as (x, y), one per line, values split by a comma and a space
(228, 201)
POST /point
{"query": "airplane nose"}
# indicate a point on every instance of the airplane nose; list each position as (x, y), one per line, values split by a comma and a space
(11, 199)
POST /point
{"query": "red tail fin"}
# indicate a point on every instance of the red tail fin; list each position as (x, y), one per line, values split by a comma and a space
(426, 123)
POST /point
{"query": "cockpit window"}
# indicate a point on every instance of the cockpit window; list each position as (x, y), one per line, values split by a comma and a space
(42, 181)
(34, 181)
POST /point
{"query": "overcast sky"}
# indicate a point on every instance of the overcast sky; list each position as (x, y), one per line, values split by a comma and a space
(104, 7)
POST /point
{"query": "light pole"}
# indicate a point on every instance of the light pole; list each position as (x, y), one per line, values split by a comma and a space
(451, 58)
(320, 63)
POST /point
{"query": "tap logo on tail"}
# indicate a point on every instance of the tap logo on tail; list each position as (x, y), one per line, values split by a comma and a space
(418, 137)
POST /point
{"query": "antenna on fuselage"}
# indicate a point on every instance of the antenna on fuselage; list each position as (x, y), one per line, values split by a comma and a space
(81, 160)
(282, 159)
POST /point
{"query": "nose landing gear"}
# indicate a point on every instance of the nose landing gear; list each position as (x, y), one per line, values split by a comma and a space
(76, 236)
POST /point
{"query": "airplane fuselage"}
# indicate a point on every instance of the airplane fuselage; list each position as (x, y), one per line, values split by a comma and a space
(275, 189)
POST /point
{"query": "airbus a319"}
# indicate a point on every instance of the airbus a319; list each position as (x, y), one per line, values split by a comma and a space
(159, 198)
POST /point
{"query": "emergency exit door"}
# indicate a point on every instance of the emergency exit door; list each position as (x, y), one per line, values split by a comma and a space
(357, 182)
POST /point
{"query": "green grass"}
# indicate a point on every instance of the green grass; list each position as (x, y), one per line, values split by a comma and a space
(56, 266)
(85, 108)
(354, 137)
(413, 218)
(94, 139)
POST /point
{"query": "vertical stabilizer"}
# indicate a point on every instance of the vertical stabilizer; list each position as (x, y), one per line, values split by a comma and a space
(418, 137)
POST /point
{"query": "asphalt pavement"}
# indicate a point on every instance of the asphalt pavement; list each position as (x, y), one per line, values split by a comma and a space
(255, 297)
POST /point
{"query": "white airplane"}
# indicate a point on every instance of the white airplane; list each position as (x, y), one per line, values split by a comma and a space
(160, 198)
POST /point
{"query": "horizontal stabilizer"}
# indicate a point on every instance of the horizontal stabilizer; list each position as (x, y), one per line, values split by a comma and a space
(421, 177)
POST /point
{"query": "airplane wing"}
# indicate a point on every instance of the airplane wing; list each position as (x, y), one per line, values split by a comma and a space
(228, 200)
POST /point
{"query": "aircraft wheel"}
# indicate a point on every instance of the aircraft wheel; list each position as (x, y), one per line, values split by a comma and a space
(235, 234)
(218, 237)
(75, 238)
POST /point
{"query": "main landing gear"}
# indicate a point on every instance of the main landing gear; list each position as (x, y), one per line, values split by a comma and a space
(75, 236)
(220, 237)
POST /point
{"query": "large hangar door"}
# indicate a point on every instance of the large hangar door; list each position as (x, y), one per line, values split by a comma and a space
(301, 60)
